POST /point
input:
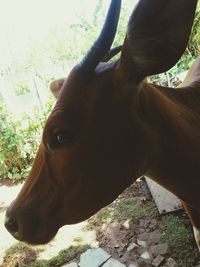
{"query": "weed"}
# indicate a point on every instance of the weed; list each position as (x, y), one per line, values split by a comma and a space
(65, 255)
(19, 254)
(180, 238)
(24, 255)
(122, 209)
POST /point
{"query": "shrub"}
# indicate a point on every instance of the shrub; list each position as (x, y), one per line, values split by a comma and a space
(21, 89)
(19, 141)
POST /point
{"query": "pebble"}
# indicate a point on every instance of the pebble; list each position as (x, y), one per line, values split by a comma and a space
(142, 243)
(170, 263)
(144, 236)
(132, 246)
(155, 236)
(160, 249)
(157, 261)
(146, 255)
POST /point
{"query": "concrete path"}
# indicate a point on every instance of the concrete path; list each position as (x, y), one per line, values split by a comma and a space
(7, 194)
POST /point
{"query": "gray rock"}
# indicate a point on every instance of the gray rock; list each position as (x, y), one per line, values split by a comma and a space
(155, 236)
(93, 258)
(144, 236)
(132, 246)
(144, 263)
(150, 238)
(146, 255)
(142, 243)
(113, 263)
(133, 265)
(72, 264)
(160, 249)
(170, 263)
(157, 261)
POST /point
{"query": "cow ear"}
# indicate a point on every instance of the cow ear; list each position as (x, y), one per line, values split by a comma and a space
(56, 86)
(157, 35)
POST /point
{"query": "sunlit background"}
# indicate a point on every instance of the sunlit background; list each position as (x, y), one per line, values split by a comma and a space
(42, 40)
(23, 22)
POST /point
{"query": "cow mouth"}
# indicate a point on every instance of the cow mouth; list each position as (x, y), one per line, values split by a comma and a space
(31, 232)
(39, 238)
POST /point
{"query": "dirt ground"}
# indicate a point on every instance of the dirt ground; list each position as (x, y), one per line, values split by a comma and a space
(133, 232)
(128, 229)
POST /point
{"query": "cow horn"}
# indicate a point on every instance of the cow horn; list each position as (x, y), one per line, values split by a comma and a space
(103, 43)
(111, 53)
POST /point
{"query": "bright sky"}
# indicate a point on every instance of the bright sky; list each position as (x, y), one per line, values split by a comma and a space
(34, 17)
(22, 21)
(25, 20)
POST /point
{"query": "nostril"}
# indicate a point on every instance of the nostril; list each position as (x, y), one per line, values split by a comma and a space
(11, 225)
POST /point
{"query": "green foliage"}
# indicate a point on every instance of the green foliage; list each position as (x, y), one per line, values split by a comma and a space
(64, 256)
(123, 209)
(19, 141)
(194, 42)
(21, 89)
(181, 240)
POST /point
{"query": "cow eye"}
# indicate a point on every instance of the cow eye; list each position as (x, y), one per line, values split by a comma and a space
(64, 139)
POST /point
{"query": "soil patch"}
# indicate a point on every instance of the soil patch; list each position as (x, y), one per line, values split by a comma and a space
(132, 231)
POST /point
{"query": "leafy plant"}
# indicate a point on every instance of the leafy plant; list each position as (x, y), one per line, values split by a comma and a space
(19, 141)
(181, 240)
(21, 89)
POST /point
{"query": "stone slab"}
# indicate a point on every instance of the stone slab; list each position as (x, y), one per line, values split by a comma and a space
(165, 200)
(113, 263)
(93, 258)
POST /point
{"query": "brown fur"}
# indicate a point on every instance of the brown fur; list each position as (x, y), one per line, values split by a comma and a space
(117, 128)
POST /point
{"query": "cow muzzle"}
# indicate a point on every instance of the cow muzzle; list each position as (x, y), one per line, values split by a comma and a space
(12, 222)
(24, 227)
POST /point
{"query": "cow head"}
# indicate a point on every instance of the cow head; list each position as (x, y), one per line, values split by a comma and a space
(95, 142)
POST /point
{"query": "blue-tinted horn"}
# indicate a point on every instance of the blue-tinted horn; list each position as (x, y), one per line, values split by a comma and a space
(103, 43)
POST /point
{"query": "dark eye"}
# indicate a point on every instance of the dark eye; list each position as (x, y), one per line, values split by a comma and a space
(66, 138)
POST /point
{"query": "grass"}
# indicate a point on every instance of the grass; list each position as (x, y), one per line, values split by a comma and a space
(134, 209)
(123, 209)
(19, 254)
(174, 231)
(64, 256)
(181, 240)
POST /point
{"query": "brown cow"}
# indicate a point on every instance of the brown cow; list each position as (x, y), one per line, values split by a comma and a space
(109, 127)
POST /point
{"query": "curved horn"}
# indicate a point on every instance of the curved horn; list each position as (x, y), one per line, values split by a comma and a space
(104, 41)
